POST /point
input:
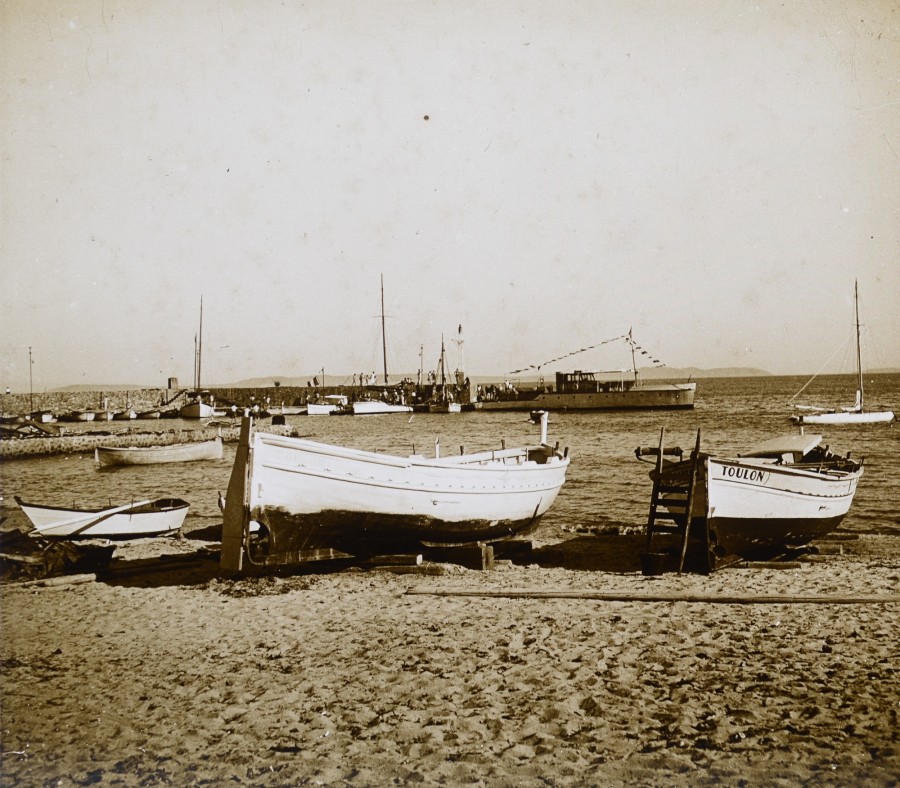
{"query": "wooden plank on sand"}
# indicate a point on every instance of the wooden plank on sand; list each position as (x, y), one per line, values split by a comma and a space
(624, 596)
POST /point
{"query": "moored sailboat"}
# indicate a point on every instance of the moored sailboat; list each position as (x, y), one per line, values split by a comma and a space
(853, 414)
(382, 404)
(199, 404)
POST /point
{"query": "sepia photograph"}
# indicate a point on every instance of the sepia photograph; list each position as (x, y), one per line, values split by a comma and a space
(444, 393)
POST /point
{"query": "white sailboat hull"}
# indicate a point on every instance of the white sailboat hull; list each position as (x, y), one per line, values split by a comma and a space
(868, 417)
(373, 407)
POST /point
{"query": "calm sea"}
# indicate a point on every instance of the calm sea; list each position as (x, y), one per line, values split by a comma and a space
(606, 485)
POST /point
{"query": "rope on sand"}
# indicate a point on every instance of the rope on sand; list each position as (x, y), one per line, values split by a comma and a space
(711, 599)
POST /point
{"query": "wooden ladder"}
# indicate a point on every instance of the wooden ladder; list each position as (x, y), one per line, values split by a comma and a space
(671, 502)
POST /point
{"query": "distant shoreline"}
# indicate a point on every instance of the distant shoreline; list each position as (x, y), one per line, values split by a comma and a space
(665, 374)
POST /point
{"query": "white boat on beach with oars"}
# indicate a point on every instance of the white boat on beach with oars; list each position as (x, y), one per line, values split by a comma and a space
(135, 519)
(777, 497)
(853, 414)
(108, 456)
(292, 500)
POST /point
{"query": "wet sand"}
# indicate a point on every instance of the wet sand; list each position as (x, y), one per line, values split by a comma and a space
(185, 678)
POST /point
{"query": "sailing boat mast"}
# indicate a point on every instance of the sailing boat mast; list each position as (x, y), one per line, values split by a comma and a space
(383, 333)
(198, 350)
(859, 374)
(634, 369)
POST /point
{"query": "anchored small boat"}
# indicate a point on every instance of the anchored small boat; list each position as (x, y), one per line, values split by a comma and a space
(293, 500)
(138, 518)
(775, 498)
(107, 456)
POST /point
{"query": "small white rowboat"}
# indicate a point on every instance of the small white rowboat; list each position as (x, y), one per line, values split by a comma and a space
(140, 518)
(106, 456)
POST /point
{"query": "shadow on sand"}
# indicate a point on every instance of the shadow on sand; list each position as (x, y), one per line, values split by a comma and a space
(593, 553)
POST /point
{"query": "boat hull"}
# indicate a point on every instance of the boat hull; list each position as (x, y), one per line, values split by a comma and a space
(676, 396)
(321, 408)
(156, 518)
(745, 509)
(153, 455)
(309, 497)
(869, 417)
(374, 407)
(197, 410)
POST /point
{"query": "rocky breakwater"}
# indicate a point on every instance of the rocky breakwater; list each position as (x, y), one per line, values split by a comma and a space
(73, 443)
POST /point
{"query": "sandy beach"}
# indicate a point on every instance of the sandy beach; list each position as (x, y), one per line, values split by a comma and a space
(182, 677)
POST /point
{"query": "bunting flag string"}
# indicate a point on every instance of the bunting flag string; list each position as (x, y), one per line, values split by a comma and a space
(627, 337)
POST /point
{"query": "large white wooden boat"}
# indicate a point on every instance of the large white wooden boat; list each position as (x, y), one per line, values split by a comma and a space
(853, 414)
(292, 500)
(779, 496)
(106, 456)
(139, 518)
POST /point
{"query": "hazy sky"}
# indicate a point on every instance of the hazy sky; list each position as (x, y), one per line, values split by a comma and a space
(713, 174)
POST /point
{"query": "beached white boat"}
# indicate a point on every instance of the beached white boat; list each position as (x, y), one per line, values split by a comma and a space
(314, 500)
(140, 518)
(369, 407)
(853, 414)
(779, 496)
(106, 456)
(331, 403)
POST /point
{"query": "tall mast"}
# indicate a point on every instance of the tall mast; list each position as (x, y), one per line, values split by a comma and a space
(199, 350)
(633, 362)
(30, 382)
(383, 334)
(859, 374)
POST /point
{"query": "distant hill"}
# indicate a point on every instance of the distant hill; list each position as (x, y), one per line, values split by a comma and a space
(107, 387)
(646, 373)
(695, 372)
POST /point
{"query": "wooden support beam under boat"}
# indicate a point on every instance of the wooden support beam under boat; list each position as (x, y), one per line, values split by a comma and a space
(475, 556)
(237, 514)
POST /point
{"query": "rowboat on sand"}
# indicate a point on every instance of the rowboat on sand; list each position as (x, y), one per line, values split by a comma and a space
(292, 500)
(140, 518)
(108, 456)
(771, 500)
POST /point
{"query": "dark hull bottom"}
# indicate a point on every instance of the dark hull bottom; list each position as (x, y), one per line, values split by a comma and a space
(729, 539)
(290, 538)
